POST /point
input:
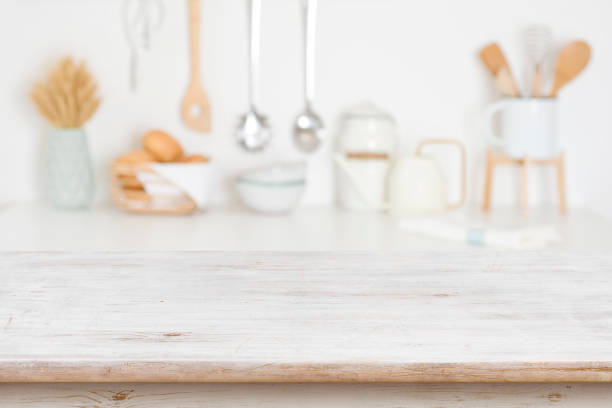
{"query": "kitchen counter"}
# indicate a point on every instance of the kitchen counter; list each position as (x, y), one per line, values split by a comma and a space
(36, 227)
(305, 317)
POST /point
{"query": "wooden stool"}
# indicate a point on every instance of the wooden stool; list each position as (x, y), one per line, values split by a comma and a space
(495, 159)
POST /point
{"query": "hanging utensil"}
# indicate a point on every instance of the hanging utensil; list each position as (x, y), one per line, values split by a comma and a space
(195, 108)
(309, 130)
(141, 18)
(572, 59)
(253, 132)
(538, 41)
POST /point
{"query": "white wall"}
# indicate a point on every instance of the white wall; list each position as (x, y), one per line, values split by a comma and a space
(415, 58)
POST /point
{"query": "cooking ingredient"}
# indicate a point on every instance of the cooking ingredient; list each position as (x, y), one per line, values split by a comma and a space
(160, 179)
(68, 99)
(195, 108)
(572, 59)
(162, 146)
(193, 158)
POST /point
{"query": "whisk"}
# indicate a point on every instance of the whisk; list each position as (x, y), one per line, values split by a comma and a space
(538, 41)
(140, 19)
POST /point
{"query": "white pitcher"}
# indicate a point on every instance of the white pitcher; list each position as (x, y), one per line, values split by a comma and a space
(415, 183)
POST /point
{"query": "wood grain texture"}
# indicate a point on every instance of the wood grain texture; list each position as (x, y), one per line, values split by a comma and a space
(195, 107)
(306, 395)
(494, 159)
(305, 317)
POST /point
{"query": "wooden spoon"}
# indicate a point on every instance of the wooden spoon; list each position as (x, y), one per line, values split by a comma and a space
(495, 61)
(572, 59)
(195, 108)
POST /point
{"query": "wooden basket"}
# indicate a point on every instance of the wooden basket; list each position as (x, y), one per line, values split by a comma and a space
(129, 193)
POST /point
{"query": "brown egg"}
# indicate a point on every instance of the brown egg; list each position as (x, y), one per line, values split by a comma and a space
(135, 157)
(194, 158)
(162, 146)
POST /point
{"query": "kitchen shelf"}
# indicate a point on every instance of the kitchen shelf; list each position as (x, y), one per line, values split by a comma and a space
(37, 227)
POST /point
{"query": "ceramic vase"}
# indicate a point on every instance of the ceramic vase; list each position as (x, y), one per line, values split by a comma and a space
(69, 174)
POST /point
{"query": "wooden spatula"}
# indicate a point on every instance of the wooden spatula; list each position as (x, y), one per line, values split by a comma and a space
(195, 108)
(506, 84)
(495, 61)
(570, 62)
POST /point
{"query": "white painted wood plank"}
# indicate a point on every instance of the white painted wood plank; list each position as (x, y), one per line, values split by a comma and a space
(306, 395)
(268, 316)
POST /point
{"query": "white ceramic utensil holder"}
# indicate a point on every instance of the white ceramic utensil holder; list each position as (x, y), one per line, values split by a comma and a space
(527, 127)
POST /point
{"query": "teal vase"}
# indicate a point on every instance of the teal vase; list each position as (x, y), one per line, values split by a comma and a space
(70, 181)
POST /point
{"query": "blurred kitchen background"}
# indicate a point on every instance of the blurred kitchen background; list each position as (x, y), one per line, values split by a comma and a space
(418, 60)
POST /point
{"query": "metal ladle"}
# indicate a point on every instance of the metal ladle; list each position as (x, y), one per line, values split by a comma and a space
(253, 132)
(309, 130)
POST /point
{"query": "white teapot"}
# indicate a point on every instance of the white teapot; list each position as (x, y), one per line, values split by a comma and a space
(415, 184)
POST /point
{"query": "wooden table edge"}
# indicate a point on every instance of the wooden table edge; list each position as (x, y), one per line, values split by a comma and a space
(197, 371)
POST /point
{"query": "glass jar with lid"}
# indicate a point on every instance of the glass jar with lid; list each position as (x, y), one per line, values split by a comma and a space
(367, 141)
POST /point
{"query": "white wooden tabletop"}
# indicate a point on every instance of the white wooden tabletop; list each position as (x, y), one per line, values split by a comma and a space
(270, 316)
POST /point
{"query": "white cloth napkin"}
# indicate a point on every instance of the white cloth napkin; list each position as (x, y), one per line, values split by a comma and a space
(172, 179)
(520, 238)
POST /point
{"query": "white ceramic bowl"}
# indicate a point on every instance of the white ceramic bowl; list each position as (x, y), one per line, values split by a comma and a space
(273, 189)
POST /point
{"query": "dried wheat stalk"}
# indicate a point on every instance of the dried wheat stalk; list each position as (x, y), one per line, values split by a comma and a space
(69, 97)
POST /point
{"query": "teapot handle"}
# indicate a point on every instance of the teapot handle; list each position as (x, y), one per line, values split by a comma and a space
(462, 152)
